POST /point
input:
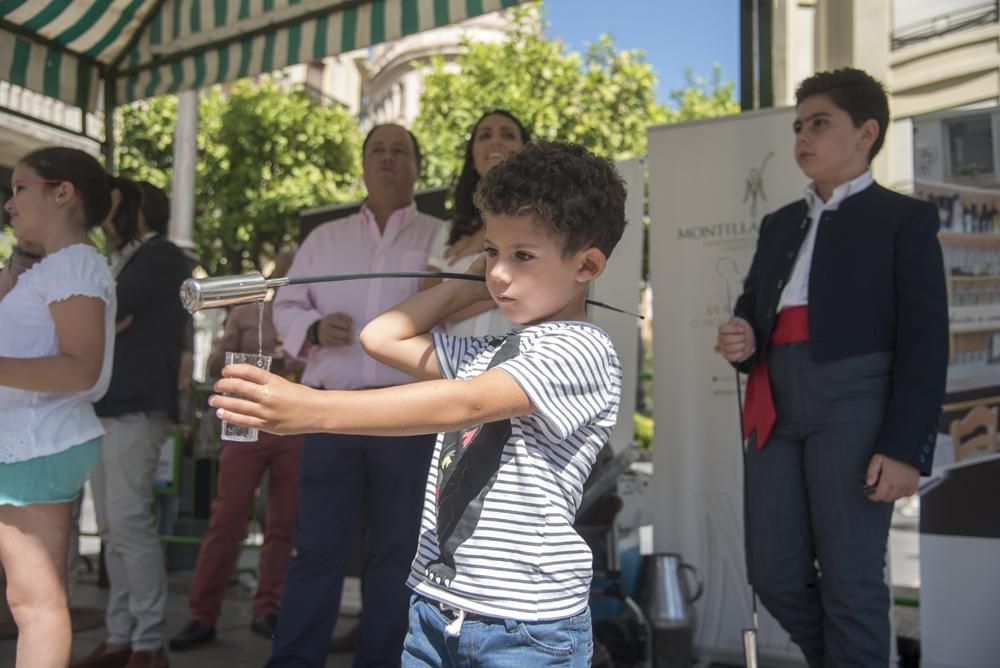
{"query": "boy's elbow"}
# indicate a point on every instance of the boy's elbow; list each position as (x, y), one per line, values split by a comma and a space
(372, 340)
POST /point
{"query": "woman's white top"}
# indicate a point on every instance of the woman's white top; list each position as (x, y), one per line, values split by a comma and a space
(490, 322)
(35, 424)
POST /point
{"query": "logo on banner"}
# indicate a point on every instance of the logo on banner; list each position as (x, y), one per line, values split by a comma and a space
(726, 231)
(755, 185)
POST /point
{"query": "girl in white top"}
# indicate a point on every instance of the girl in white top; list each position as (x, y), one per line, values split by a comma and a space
(56, 333)
(495, 136)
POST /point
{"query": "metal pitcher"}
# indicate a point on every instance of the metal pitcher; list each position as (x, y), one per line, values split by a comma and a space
(666, 598)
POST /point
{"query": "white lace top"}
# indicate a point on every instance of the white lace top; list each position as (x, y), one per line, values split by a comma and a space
(35, 424)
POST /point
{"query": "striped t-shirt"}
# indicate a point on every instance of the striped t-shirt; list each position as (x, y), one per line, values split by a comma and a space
(497, 537)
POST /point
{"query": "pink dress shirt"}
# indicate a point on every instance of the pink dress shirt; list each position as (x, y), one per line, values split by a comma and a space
(352, 245)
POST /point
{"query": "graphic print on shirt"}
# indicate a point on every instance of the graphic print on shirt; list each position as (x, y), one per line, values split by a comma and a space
(469, 463)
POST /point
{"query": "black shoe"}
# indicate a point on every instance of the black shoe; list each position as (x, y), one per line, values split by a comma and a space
(192, 635)
(265, 626)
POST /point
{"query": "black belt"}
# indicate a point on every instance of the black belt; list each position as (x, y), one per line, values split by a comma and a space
(452, 614)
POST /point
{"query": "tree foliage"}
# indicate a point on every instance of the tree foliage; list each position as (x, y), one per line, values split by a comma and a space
(6, 243)
(703, 98)
(604, 99)
(264, 153)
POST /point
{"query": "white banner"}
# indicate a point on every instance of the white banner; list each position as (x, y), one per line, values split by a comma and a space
(710, 183)
(619, 286)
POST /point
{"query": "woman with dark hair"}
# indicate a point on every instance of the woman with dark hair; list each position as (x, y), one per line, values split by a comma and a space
(56, 338)
(496, 136)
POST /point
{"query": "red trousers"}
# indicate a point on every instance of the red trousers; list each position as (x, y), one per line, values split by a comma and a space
(241, 467)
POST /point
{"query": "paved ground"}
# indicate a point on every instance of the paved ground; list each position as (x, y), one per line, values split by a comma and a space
(237, 647)
(234, 647)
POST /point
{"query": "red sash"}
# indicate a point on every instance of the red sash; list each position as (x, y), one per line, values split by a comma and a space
(758, 409)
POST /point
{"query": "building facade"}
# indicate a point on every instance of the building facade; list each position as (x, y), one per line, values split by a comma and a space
(392, 74)
(933, 56)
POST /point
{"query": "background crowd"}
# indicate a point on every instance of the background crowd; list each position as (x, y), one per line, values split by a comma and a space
(138, 343)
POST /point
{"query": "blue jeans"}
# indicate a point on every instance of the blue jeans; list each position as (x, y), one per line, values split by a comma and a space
(490, 642)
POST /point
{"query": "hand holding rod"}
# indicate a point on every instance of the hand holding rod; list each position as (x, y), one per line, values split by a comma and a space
(202, 293)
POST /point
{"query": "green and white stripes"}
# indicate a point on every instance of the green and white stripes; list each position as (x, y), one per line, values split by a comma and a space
(47, 70)
(152, 47)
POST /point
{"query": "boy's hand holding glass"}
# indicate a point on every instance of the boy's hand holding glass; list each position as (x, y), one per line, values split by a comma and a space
(233, 431)
(254, 397)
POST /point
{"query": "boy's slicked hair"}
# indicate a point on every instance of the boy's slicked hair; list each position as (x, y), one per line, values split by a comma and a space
(578, 195)
(856, 92)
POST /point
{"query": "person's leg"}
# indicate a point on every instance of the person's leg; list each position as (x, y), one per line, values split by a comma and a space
(331, 492)
(73, 547)
(396, 469)
(33, 545)
(848, 404)
(780, 553)
(241, 466)
(134, 556)
(779, 544)
(117, 618)
(282, 506)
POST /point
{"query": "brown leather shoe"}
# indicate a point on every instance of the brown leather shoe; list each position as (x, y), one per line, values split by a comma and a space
(143, 659)
(105, 656)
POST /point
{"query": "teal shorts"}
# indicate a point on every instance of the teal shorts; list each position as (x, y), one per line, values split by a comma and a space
(50, 479)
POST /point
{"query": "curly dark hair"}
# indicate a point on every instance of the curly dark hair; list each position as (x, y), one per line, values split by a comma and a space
(856, 92)
(466, 220)
(580, 196)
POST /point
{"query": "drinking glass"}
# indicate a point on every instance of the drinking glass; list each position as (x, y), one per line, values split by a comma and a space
(237, 432)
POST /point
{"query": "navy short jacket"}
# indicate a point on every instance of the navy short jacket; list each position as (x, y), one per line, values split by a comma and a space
(877, 284)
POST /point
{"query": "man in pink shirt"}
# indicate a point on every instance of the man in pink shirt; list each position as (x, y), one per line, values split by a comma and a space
(346, 479)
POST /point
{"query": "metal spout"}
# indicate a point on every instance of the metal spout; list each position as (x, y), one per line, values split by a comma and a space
(202, 293)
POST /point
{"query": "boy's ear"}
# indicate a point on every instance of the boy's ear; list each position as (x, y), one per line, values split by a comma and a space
(869, 134)
(592, 264)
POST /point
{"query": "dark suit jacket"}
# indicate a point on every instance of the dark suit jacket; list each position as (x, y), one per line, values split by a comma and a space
(877, 284)
(148, 351)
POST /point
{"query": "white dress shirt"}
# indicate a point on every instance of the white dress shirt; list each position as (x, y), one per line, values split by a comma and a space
(796, 292)
(354, 244)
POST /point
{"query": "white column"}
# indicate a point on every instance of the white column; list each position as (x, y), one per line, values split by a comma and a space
(185, 159)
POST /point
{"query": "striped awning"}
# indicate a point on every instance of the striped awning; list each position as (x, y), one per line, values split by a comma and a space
(65, 48)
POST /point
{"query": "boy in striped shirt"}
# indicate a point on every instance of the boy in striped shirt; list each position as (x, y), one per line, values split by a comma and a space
(500, 576)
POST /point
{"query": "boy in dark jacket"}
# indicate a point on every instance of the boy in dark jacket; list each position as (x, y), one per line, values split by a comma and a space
(843, 328)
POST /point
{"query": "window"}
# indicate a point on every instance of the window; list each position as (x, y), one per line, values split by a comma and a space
(970, 147)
